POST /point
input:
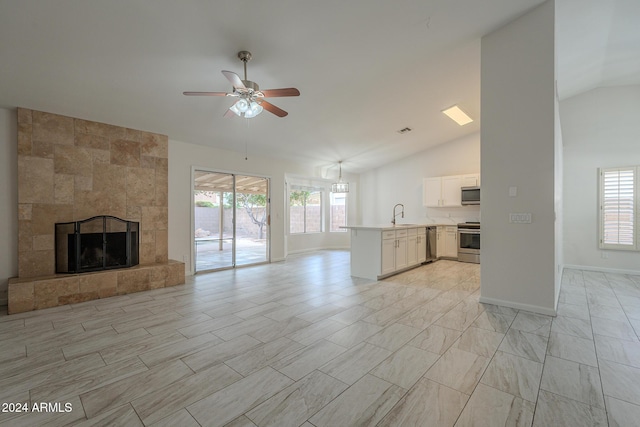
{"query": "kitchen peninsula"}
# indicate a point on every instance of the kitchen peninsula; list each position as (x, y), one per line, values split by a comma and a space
(379, 251)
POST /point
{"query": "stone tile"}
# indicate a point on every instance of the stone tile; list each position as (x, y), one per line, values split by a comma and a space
(573, 310)
(572, 326)
(458, 319)
(479, 341)
(236, 399)
(72, 160)
(426, 404)
(179, 349)
(568, 347)
(573, 380)
(617, 350)
(364, 403)
(393, 337)
(209, 356)
(35, 180)
(163, 402)
(555, 410)
(351, 365)
(532, 323)
(523, 344)
(316, 331)
(296, 403)
(354, 334)
(125, 390)
(621, 413)
(458, 369)
(52, 128)
(514, 375)
(125, 153)
(435, 339)
(620, 381)
(100, 129)
(77, 383)
(405, 367)
(304, 361)
(491, 321)
(122, 416)
(180, 418)
(614, 328)
(491, 407)
(263, 355)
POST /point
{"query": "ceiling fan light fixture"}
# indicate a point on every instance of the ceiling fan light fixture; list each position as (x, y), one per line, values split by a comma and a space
(253, 110)
(456, 114)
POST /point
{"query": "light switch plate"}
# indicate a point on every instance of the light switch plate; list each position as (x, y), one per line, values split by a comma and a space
(513, 191)
(520, 218)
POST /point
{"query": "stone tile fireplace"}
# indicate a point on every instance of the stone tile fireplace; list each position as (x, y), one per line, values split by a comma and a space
(71, 169)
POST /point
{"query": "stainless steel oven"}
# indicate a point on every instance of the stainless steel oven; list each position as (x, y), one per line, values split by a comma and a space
(469, 242)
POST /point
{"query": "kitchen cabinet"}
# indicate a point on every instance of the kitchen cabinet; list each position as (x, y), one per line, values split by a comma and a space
(412, 246)
(444, 191)
(470, 180)
(450, 237)
(378, 252)
(447, 241)
(421, 245)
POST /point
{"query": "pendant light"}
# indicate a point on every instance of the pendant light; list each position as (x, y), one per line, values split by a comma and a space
(340, 187)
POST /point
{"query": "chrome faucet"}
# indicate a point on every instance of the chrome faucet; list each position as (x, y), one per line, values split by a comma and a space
(393, 220)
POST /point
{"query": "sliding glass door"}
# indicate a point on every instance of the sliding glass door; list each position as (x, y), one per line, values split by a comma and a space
(231, 220)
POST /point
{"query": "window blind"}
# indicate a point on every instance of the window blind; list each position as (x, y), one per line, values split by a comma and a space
(618, 215)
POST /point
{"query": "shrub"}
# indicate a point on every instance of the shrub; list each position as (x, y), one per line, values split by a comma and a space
(205, 204)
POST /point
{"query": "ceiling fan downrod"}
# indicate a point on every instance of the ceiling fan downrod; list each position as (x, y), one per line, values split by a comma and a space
(245, 57)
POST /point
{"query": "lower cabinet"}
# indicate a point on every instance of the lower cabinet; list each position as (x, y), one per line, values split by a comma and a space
(379, 253)
(447, 245)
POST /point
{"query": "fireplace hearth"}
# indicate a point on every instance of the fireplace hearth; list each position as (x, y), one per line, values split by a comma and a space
(94, 244)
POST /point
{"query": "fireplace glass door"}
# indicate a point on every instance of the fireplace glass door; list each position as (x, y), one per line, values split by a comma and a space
(231, 214)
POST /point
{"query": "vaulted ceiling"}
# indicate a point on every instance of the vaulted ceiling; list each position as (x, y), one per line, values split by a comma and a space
(365, 68)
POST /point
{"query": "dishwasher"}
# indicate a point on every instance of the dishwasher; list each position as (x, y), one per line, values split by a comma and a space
(432, 242)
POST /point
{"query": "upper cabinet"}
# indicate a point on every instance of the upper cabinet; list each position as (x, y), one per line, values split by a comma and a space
(471, 180)
(444, 191)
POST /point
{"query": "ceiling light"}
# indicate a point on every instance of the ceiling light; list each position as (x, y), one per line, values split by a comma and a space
(340, 187)
(457, 115)
(246, 107)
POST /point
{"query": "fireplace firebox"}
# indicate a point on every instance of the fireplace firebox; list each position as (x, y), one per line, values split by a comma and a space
(98, 243)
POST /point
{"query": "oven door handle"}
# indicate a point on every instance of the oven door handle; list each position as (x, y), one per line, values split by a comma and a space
(465, 231)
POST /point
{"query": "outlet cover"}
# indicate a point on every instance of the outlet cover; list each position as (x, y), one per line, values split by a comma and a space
(520, 218)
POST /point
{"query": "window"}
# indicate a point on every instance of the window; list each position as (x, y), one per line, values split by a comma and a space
(338, 216)
(619, 208)
(305, 210)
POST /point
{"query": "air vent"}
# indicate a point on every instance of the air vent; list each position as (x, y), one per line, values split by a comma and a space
(405, 130)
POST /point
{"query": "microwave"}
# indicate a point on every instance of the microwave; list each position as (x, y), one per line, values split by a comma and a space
(470, 195)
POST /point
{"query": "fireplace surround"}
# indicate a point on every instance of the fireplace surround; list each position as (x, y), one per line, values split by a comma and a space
(70, 169)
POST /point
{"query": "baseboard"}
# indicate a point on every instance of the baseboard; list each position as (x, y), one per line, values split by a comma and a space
(602, 269)
(306, 250)
(519, 306)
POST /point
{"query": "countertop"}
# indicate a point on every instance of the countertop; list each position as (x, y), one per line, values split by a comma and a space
(386, 227)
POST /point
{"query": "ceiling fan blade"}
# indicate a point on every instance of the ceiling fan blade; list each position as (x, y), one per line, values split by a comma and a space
(235, 79)
(273, 109)
(272, 93)
(229, 114)
(206, 93)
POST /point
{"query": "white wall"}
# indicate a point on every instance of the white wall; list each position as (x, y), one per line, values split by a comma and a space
(518, 261)
(182, 156)
(601, 128)
(401, 182)
(8, 199)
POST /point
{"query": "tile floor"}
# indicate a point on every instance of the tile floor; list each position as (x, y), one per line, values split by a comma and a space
(301, 343)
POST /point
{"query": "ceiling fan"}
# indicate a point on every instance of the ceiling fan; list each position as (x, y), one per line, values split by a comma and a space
(251, 102)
